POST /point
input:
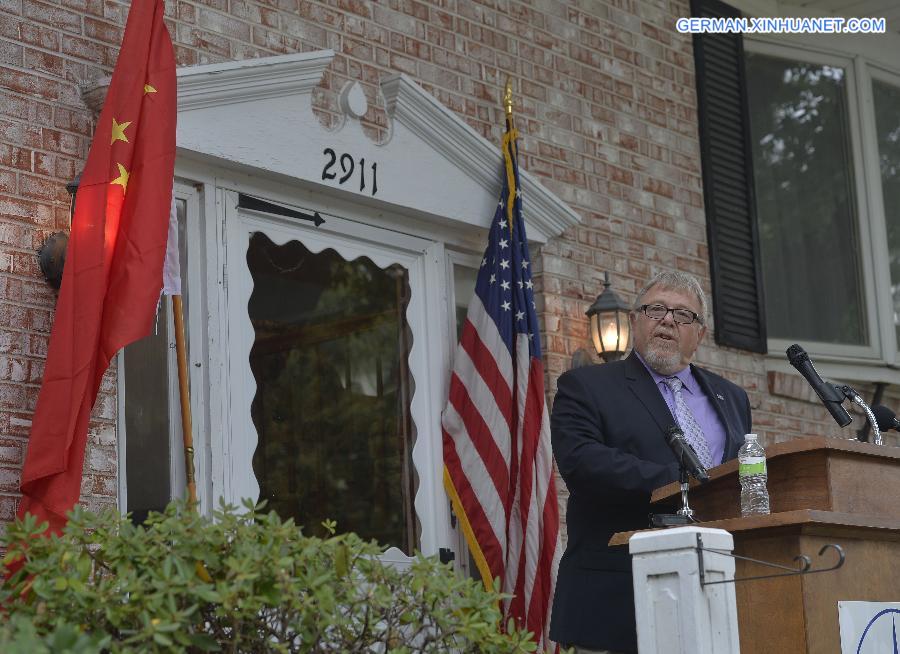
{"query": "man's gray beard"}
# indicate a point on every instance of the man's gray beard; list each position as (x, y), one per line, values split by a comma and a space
(664, 363)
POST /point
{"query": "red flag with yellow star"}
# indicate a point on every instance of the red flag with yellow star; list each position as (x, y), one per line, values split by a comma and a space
(113, 272)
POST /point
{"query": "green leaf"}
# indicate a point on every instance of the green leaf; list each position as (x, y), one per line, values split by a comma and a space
(341, 560)
(204, 642)
(162, 639)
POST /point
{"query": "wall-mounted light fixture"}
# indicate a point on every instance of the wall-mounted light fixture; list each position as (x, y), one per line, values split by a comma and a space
(610, 328)
(52, 253)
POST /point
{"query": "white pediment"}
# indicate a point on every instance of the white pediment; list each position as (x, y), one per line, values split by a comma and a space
(258, 113)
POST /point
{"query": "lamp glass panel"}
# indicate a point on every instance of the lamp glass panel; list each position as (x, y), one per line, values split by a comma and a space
(609, 331)
(595, 333)
(624, 331)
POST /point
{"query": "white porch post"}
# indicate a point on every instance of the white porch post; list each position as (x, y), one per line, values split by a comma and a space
(675, 615)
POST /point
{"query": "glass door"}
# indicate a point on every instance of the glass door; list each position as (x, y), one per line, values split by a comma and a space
(330, 360)
(329, 377)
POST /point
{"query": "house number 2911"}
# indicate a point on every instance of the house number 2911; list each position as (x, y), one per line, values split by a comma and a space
(348, 166)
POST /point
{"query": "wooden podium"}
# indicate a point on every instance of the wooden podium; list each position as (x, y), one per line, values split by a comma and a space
(821, 490)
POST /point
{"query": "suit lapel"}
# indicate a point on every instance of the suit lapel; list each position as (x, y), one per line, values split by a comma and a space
(641, 384)
(716, 396)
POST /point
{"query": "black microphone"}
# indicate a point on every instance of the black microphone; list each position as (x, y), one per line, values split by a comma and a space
(885, 418)
(685, 454)
(829, 394)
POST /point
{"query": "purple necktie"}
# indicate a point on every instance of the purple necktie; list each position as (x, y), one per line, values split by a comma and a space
(693, 434)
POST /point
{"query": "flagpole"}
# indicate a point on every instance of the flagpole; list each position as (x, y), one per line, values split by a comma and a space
(184, 392)
(509, 147)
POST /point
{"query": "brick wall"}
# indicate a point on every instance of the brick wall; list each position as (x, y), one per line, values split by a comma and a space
(607, 113)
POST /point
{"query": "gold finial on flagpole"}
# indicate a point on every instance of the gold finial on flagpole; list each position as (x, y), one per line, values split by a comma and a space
(508, 98)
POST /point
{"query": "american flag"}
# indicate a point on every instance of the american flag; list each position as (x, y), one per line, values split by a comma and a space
(498, 465)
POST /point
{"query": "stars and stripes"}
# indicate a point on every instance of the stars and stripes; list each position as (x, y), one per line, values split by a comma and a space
(496, 431)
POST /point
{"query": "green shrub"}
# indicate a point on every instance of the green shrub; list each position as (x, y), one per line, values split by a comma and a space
(244, 581)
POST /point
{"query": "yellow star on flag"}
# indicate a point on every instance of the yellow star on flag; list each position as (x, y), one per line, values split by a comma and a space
(149, 89)
(118, 132)
(122, 179)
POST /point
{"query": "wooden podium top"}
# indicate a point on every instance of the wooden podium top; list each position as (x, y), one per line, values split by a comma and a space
(842, 483)
(815, 472)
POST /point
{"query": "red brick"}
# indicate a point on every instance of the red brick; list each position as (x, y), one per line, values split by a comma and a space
(104, 486)
(185, 12)
(12, 396)
(74, 46)
(52, 16)
(11, 54)
(185, 56)
(115, 11)
(9, 479)
(92, 7)
(102, 460)
(12, 156)
(9, 504)
(326, 16)
(219, 5)
(42, 189)
(100, 30)
(223, 24)
(44, 62)
(10, 451)
(212, 44)
(8, 181)
(357, 49)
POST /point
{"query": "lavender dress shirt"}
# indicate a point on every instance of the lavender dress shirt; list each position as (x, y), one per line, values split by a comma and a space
(699, 404)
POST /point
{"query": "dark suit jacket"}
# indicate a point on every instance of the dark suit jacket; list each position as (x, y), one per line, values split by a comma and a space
(608, 426)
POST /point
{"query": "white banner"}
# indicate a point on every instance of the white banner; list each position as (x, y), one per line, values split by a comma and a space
(172, 264)
(869, 627)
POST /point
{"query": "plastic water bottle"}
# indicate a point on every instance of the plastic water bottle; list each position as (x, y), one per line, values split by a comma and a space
(752, 473)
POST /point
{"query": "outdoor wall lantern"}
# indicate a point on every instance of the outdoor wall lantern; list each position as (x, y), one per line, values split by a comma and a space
(52, 253)
(610, 328)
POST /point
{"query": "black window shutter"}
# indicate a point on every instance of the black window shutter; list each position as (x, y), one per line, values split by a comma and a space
(737, 288)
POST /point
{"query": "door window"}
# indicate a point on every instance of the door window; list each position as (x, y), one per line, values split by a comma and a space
(332, 403)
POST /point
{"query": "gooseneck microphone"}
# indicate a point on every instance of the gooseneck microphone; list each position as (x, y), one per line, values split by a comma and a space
(885, 418)
(685, 454)
(830, 395)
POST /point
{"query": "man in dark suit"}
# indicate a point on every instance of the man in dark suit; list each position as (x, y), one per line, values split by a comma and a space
(608, 426)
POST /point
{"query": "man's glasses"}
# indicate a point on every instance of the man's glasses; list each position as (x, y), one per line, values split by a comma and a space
(659, 311)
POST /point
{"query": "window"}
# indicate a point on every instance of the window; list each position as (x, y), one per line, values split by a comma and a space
(465, 272)
(800, 139)
(886, 100)
(150, 424)
(805, 200)
(331, 409)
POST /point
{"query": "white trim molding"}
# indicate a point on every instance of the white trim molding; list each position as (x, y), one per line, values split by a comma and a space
(258, 115)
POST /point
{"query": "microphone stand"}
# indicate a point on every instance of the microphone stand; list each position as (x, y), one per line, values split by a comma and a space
(684, 515)
(855, 397)
(685, 511)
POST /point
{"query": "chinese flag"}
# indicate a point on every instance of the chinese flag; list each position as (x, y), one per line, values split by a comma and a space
(113, 272)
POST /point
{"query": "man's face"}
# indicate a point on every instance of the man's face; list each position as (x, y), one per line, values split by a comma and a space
(666, 345)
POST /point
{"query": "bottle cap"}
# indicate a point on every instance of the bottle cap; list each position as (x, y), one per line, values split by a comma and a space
(749, 437)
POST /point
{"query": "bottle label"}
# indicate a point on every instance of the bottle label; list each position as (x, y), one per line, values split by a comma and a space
(752, 465)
